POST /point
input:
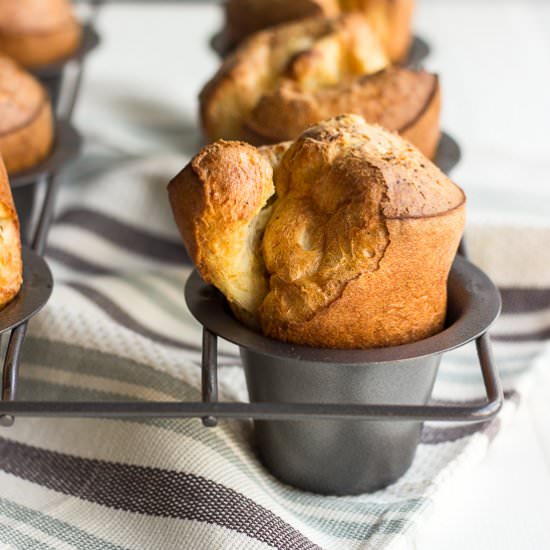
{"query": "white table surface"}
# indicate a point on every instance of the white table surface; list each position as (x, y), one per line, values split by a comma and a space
(140, 94)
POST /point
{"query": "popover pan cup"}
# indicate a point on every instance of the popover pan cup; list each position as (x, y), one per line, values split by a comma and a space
(343, 457)
(66, 147)
(51, 75)
(35, 292)
(338, 456)
(448, 153)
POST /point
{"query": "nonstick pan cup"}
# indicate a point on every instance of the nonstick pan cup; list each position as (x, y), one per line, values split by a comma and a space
(67, 145)
(338, 456)
(346, 456)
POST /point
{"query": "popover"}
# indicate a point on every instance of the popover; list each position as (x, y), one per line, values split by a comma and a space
(390, 19)
(38, 32)
(26, 120)
(343, 238)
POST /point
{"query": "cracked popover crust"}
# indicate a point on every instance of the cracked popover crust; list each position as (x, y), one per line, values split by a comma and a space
(26, 120)
(343, 238)
(38, 32)
(390, 19)
(11, 266)
(281, 81)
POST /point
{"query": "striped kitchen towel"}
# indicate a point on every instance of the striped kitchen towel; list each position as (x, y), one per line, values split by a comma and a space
(117, 328)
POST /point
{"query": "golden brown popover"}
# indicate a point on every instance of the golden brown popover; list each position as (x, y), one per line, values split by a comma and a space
(390, 19)
(38, 32)
(11, 266)
(283, 80)
(343, 238)
(26, 121)
(313, 54)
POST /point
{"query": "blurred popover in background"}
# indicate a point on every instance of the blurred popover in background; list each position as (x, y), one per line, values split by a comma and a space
(343, 238)
(26, 120)
(38, 32)
(282, 80)
(390, 19)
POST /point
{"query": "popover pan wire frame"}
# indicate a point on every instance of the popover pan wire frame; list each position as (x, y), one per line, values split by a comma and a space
(475, 327)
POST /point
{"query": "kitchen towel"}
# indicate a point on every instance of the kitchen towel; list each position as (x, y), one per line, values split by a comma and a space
(117, 328)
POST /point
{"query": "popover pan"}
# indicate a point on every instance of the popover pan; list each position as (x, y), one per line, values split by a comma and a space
(66, 147)
(35, 291)
(336, 456)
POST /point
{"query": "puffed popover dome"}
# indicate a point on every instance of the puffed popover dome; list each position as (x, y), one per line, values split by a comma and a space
(281, 81)
(11, 265)
(390, 19)
(26, 121)
(343, 238)
(38, 32)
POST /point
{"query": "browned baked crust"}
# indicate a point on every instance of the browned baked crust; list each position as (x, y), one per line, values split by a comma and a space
(391, 19)
(236, 175)
(38, 32)
(399, 99)
(342, 239)
(26, 121)
(11, 266)
(270, 90)
(312, 54)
